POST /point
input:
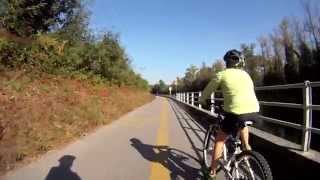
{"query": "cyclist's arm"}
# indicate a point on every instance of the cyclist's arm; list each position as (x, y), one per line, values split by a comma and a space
(212, 86)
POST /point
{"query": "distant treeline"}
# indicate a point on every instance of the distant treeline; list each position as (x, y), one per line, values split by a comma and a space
(290, 54)
(54, 37)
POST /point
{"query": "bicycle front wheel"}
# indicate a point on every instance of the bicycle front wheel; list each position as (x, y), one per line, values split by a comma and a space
(251, 165)
(208, 148)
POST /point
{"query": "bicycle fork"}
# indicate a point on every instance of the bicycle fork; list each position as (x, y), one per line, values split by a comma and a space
(249, 167)
(226, 164)
(237, 174)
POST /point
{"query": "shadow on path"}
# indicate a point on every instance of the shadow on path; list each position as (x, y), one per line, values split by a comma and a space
(185, 121)
(176, 161)
(63, 171)
(193, 127)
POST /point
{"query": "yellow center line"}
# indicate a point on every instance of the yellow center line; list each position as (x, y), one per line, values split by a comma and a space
(158, 171)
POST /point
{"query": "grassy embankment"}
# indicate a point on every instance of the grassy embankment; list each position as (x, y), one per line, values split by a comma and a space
(43, 112)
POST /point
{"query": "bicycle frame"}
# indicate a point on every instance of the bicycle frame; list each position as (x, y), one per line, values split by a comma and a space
(235, 163)
(228, 159)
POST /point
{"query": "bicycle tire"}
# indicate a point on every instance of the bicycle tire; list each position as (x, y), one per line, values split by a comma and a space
(262, 164)
(207, 144)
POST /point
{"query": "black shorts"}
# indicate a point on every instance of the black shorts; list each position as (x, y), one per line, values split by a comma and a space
(233, 122)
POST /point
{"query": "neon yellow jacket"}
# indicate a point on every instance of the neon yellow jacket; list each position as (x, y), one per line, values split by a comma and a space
(238, 91)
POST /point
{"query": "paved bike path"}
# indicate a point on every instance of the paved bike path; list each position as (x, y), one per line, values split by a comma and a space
(156, 141)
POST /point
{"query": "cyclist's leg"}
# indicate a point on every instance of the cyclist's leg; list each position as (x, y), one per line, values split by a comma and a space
(228, 126)
(244, 130)
(217, 151)
(244, 134)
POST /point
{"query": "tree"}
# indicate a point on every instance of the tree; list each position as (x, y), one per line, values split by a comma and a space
(28, 17)
(291, 68)
(190, 77)
(217, 66)
(306, 62)
(265, 52)
(312, 26)
(180, 84)
(253, 65)
(75, 29)
(155, 89)
(274, 73)
(203, 77)
(311, 23)
(3, 9)
(163, 87)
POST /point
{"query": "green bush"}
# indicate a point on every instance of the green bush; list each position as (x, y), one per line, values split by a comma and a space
(58, 41)
(102, 61)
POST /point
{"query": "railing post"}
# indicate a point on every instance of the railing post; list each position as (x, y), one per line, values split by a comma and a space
(212, 103)
(307, 113)
(184, 97)
(199, 104)
(188, 98)
(192, 98)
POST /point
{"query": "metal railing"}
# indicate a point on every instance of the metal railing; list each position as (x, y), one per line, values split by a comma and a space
(192, 98)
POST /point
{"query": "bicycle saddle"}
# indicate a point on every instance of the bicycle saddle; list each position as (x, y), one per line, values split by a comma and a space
(248, 123)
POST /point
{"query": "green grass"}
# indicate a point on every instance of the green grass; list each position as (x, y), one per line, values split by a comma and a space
(18, 85)
(45, 88)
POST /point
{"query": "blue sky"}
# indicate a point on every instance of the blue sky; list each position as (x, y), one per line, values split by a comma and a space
(164, 37)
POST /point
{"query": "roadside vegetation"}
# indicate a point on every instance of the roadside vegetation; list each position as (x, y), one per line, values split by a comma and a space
(58, 79)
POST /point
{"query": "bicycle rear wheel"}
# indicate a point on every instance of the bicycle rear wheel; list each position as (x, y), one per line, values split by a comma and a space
(252, 166)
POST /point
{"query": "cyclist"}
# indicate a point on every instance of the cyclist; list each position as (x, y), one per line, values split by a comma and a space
(240, 102)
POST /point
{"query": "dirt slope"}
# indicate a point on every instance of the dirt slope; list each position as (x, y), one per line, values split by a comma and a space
(39, 113)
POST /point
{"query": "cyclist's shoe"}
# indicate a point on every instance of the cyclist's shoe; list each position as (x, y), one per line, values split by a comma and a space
(212, 177)
(246, 147)
(209, 175)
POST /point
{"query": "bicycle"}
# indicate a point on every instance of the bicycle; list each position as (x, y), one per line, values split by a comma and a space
(236, 163)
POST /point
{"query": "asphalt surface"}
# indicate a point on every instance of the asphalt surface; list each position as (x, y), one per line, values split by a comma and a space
(157, 141)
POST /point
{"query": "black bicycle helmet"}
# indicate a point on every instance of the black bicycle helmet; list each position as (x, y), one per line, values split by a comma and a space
(234, 59)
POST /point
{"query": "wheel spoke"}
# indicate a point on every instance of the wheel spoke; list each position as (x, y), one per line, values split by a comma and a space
(250, 169)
